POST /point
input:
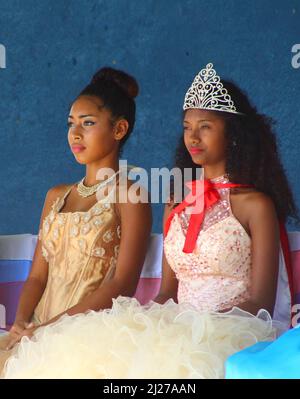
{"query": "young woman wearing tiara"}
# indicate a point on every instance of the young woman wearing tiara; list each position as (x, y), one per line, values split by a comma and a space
(220, 262)
(90, 249)
(247, 200)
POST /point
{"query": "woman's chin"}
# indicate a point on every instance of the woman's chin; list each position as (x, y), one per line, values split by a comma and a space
(81, 161)
(198, 159)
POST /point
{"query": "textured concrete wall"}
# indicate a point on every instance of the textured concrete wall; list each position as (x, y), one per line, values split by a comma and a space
(53, 48)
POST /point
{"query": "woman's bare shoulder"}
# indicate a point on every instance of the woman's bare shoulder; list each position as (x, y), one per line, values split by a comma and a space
(58, 191)
(255, 202)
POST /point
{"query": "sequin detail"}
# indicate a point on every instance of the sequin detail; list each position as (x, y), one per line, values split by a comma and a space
(82, 244)
(97, 210)
(56, 233)
(50, 245)
(108, 236)
(61, 219)
(45, 253)
(85, 229)
(119, 231)
(113, 262)
(46, 227)
(98, 252)
(117, 250)
(98, 221)
(74, 231)
(76, 218)
(51, 215)
(87, 217)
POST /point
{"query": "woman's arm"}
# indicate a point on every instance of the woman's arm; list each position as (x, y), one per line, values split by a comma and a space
(264, 231)
(37, 279)
(169, 282)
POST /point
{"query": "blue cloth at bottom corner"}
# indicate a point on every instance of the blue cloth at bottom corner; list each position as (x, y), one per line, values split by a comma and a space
(279, 359)
(14, 270)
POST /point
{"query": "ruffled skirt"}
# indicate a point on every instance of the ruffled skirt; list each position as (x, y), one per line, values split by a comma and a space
(134, 341)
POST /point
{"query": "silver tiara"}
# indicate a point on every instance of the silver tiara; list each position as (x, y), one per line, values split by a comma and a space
(208, 92)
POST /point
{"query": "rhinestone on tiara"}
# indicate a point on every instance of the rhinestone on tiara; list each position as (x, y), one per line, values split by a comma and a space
(207, 92)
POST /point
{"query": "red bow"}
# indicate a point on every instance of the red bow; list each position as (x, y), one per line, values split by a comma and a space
(203, 194)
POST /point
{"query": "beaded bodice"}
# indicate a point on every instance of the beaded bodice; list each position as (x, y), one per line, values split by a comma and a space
(216, 275)
(81, 249)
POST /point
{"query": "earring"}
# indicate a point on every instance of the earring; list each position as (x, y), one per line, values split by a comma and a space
(234, 143)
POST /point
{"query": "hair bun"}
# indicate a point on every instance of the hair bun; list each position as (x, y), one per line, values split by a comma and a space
(120, 78)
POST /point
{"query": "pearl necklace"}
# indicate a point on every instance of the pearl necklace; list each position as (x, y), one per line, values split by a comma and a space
(85, 191)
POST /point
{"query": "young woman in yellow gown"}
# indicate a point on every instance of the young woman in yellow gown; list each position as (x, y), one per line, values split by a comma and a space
(91, 249)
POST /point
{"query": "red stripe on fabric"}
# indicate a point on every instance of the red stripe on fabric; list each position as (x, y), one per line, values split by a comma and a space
(295, 255)
(288, 262)
(287, 257)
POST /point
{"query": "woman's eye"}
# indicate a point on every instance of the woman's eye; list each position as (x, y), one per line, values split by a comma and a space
(89, 123)
(205, 127)
(69, 124)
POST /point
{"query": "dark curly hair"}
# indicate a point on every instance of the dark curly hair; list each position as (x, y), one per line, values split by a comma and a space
(117, 90)
(251, 154)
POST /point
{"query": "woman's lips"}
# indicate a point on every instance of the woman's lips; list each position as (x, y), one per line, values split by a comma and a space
(195, 150)
(77, 148)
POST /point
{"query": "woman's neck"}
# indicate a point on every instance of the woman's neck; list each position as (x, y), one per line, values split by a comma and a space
(213, 172)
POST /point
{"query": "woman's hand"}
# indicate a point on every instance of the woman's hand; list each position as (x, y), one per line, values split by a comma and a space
(29, 330)
(20, 329)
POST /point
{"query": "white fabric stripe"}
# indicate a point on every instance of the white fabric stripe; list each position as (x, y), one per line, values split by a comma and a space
(153, 262)
(282, 308)
(22, 246)
(17, 247)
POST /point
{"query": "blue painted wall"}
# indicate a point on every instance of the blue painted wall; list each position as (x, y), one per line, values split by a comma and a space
(53, 48)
